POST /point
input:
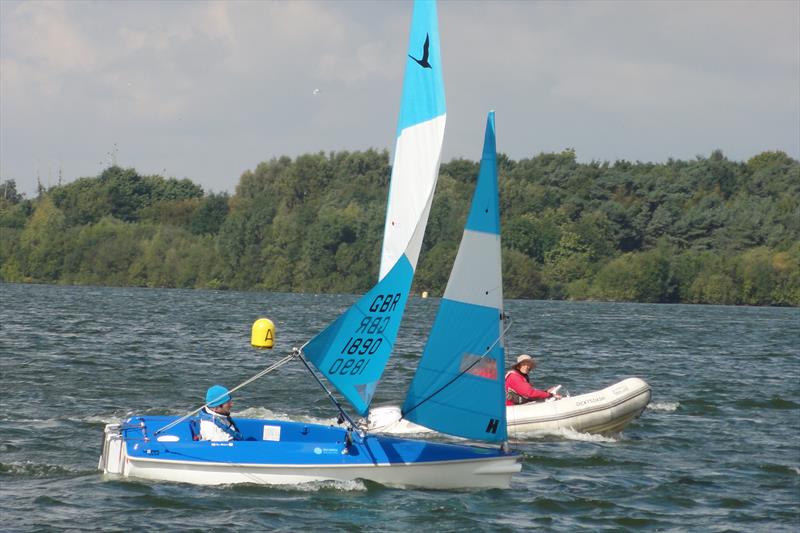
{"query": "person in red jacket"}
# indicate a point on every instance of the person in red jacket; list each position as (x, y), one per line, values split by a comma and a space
(519, 388)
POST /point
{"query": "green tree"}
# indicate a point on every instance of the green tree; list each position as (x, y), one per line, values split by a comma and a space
(102, 253)
(42, 243)
(535, 236)
(786, 266)
(521, 276)
(705, 230)
(567, 262)
(9, 195)
(756, 272)
(209, 215)
(636, 277)
(714, 288)
(16, 215)
(10, 255)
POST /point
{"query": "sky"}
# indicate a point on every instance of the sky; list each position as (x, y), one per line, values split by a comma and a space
(208, 90)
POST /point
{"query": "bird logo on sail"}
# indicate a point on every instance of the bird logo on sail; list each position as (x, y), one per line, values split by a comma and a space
(424, 61)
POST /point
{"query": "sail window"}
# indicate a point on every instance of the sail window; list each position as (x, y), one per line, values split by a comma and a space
(482, 367)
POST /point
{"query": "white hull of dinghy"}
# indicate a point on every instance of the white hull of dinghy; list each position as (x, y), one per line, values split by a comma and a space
(491, 472)
(487, 473)
(605, 411)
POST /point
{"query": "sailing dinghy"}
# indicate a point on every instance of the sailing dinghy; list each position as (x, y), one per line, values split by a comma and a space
(351, 353)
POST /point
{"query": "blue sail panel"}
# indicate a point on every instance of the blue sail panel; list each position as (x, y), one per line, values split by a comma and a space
(423, 84)
(458, 387)
(418, 148)
(484, 215)
(353, 351)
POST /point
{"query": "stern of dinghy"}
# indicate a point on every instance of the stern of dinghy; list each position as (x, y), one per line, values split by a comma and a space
(112, 457)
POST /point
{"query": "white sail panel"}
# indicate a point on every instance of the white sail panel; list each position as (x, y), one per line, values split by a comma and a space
(476, 277)
(414, 174)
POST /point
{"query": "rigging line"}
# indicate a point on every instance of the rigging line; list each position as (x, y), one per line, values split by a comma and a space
(478, 360)
(507, 317)
(333, 400)
(261, 374)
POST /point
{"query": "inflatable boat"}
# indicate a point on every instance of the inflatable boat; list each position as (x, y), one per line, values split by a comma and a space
(606, 411)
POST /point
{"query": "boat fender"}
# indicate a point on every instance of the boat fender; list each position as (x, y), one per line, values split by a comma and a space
(263, 333)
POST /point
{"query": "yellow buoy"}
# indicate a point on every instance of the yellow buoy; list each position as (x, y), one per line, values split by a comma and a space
(263, 335)
(424, 294)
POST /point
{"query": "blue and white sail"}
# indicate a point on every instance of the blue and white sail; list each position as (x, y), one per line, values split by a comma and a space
(458, 388)
(353, 351)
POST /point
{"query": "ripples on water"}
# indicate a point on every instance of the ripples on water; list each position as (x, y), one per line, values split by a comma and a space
(717, 449)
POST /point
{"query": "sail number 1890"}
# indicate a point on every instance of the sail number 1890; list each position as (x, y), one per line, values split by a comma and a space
(361, 346)
(367, 337)
(354, 367)
(355, 346)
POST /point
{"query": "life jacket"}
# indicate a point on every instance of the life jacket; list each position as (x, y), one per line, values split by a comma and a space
(511, 394)
(229, 428)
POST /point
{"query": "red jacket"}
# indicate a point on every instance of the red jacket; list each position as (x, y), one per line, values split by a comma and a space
(519, 384)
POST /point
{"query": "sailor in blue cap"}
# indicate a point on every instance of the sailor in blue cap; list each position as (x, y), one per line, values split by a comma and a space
(216, 423)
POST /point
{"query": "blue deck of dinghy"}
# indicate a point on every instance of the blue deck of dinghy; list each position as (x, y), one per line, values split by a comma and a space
(278, 442)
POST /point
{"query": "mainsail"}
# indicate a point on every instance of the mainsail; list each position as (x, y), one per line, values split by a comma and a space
(353, 351)
(458, 388)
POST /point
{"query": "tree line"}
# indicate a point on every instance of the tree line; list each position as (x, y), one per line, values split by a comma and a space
(708, 230)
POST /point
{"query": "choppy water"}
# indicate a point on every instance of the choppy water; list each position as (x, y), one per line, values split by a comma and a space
(717, 450)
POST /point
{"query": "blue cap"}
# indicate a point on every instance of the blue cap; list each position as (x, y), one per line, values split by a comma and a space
(217, 395)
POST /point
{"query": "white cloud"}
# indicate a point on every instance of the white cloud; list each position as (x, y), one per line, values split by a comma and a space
(209, 89)
(42, 34)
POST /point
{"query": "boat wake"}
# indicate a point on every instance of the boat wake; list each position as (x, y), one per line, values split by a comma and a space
(31, 470)
(564, 433)
(268, 414)
(355, 485)
(100, 419)
(664, 406)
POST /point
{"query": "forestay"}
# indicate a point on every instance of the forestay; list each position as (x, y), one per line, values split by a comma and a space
(353, 351)
(458, 386)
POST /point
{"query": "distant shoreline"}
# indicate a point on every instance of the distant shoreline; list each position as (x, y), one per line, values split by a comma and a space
(705, 231)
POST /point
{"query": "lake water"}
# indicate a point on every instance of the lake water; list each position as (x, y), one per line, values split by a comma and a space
(718, 449)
